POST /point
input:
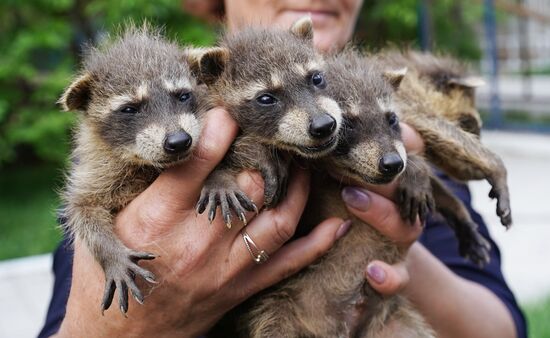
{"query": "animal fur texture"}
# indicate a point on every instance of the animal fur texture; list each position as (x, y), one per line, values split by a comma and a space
(139, 113)
(438, 102)
(271, 81)
(331, 297)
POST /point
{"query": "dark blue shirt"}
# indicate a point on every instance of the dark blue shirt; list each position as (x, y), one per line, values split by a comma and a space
(437, 237)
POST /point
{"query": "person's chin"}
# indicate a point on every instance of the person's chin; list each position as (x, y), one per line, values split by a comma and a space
(327, 41)
(320, 19)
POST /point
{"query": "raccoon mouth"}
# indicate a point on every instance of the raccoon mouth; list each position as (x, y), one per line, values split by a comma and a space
(173, 160)
(321, 147)
(354, 175)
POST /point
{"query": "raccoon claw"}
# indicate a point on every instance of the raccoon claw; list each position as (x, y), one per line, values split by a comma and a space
(503, 207)
(474, 247)
(414, 204)
(120, 275)
(275, 187)
(228, 201)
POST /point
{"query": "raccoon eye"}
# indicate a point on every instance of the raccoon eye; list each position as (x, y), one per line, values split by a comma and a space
(266, 100)
(318, 80)
(183, 97)
(393, 120)
(128, 110)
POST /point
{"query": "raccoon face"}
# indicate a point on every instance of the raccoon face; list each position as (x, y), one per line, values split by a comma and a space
(274, 85)
(370, 149)
(143, 107)
(458, 103)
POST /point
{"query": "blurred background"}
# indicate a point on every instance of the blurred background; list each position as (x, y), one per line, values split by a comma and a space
(508, 41)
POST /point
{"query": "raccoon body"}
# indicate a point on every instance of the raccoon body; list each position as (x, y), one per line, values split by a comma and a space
(272, 82)
(437, 99)
(139, 108)
(331, 297)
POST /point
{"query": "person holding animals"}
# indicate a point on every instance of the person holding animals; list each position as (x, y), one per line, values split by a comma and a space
(203, 271)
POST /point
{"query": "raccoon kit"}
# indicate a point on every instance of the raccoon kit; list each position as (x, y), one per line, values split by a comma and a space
(331, 298)
(438, 102)
(139, 108)
(272, 83)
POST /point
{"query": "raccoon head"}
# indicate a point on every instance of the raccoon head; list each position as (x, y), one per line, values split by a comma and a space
(139, 98)
(453, 91)
(370, 149)
(273, 83)
(458, 100)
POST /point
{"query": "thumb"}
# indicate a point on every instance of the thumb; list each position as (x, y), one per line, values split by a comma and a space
(387, 279)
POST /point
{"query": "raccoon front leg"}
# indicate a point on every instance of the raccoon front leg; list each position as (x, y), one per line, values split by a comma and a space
(94, 226)
(471, 244)
(462, 156)
(221, 186)
(414, 193)
(221, 189)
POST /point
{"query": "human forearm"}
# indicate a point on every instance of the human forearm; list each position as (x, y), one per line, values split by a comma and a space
(455, 307)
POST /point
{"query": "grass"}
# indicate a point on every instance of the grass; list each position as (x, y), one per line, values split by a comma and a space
(538, 318)
(27, 210)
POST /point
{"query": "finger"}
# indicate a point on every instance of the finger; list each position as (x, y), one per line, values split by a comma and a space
(387, 279)
(251, 183)
(272, 228)
(295, 255)
(382, 214)
(412, 139)
(180, 186)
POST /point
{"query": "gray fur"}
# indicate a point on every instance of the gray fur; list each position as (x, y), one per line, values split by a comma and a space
(119, 151)
(245, 66)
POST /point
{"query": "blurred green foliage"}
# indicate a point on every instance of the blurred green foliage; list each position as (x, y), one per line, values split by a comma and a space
(453, 24)
(41, 41)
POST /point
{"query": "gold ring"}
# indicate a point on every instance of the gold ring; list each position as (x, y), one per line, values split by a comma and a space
(259, 256)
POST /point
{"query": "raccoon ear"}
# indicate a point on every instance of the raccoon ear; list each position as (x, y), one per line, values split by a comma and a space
(77, 95)
(208, 63)
(468, 82)
(395, 76)
(303, 28)
(193, 57)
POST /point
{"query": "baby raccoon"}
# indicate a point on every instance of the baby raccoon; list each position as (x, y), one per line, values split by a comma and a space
(331, 298)
(438, 101)
(272, 82)
(139, 109)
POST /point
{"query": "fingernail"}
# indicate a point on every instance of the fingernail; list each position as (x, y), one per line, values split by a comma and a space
(343, 229)
(356, 198)
(376, 273)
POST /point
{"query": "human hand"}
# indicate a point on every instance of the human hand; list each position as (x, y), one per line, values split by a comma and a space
(375, 207)
(203, 269)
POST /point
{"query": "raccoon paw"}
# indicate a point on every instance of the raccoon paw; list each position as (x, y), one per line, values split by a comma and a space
(275, 186)
(503, 206)
(120, 274)
(227, 199)
(473, 246)
(414, 202)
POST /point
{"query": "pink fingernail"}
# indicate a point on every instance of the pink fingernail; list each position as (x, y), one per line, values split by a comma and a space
(343, 229)
(376, 273)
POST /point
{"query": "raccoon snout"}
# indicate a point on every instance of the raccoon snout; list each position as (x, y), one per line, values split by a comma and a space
(177, 142)
(391, 164)
(322, 126)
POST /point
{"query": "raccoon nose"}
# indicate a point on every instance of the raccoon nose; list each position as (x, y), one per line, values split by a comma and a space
(391, 164)
(322, 126)
(177, 142)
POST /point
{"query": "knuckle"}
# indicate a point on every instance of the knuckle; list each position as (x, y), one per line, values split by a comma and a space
(284, 228)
